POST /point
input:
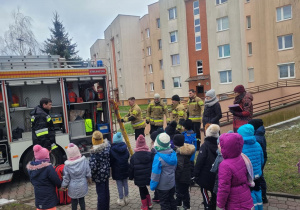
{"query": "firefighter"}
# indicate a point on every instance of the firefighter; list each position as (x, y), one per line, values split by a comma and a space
(43, 132)
(195, 108)
(178, 112)
(135, 117)
(155, 113)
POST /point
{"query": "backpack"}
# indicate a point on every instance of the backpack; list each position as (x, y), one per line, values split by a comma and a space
(62, 196)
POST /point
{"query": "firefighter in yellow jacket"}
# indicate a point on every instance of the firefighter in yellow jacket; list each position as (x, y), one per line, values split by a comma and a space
(195, 108)
(178, 112)
(135, 117)
(155, 113)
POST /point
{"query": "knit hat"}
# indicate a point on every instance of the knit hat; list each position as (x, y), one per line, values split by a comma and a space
(118, 138)
(97, 138)
(178, 140)
(171, 128)
(140, 144)
(239, 89)
(40, 153)
(213, 130)
(73, 152)
(211, 93)
(256, 123)
(175, 98)
(162, 142)
(156, 96)
(188, 124)
(154, 134)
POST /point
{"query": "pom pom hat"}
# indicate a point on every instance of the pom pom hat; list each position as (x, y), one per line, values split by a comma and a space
(97, 138)
(40, 153)
(118, 138)
(73, 152)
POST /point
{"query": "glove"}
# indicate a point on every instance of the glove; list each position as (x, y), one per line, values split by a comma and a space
(131, 118)
(147, 121)
(122, 120)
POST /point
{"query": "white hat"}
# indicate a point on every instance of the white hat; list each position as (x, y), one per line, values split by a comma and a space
(162, 142)
(213, 130)
(156, 96)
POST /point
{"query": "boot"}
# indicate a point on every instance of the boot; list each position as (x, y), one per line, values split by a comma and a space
(144, 204)
(149, 201)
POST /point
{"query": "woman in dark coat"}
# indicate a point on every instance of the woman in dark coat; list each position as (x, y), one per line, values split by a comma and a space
(212, 109)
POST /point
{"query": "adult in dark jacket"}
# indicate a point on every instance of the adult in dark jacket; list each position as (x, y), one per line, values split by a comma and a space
(206, 157)
(43, 178)
(183, 171)
(212, 109)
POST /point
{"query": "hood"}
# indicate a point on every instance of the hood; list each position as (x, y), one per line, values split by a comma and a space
(212, 142)
(260, 131)
(119, 147)
(99, 148)
(169, 156)
(35, 168)
(186, 149)
(189, 136)
(247, 132)
(77, 166)
(231, 145)
(39, 110)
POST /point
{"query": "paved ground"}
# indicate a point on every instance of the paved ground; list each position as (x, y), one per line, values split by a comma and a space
(21, 189)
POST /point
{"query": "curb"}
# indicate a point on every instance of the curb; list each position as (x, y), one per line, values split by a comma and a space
(284, 195)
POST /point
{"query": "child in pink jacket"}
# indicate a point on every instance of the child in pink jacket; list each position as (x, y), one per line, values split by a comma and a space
(233, 191)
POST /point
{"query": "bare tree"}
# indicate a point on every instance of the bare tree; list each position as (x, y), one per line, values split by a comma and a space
(19, 39)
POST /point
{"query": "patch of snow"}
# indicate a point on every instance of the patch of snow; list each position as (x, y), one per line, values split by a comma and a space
(4, 201)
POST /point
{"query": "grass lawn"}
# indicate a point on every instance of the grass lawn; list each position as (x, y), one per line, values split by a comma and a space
(17, 206)
(128, 128)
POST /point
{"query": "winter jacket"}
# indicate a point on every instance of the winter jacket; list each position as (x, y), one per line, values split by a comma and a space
(75, 177)
(215, 169)
(206, 158)
(135, 117)
(163, 170)
(212, 114)
(44, 180)
(190, 138)
(233, 190)
(43, 132)
(261, 139)
(119, 156)
(183, 170)
(252, 149)
(100, 162)
(156, 112)
(140, 168)
(195, 107)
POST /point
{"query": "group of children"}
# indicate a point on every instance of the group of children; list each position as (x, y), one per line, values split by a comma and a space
(228, 169)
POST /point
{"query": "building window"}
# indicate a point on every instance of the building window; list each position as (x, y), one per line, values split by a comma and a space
(248, 22)
(220, 1)
(286, 71)
(172, 13)
(149, 50)
(162, 84)
(146, 88)
(176, 82)
(251, 74)
(285, 42)
(224, 51)
(247, 1)
(119, 56)
(223, 23)
(151, 86)
(175, 59)
(199, 67)
(250, 48)
(150, 69)
(197, 25)
(284, 13)
(120, 73)
(148, 32)
(196, 7)
(198, 43)
(225, 77)
(159, 44)
(161, 64)
(121, 89)
(158, 22)
(173, 36)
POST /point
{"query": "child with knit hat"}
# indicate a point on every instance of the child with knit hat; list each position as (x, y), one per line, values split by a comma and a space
(119, 156)
(77, 173)
(140, 170)
(44, 179)
(163, 171)
(100, 168)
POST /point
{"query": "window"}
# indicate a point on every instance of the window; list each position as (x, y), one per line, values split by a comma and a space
(285, 42)
(220, 1)
(163, 84)
(121, 89)
(225, 77)
(248, 22)
(119, 56)
(173, 36)
(196, 7)
(247, 1)
(197, 25)
(286, 71)
(159, 44)
(146, 88)
(198, 43)
(148, 32)
(199, 67)
(149, 50)
(175, 59)
(151, 86)
(176, 82)
(251, 74)
(224, 51)
(150, 69)
(161, 64)
(284, 13)
(223, 23)
(158, 22)
(120, 73)
(172, 13)
(250, 48)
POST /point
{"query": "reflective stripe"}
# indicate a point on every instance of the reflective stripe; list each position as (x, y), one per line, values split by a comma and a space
(41, 132)
(200, 103)
(32, 119)
(174, 112)
(193, 103)
(156, 120)
(48, 118)
(134, 112)
(180, 113)
(138, 124)
(199, 118)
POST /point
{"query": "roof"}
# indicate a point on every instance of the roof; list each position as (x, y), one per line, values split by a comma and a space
(199, 77)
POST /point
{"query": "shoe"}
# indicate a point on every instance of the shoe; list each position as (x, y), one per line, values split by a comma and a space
(149, 201)
(121, 202)
(144, 204)
(265, 200)
(126, 199)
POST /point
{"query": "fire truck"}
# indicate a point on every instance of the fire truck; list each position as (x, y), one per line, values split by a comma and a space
(80, 105)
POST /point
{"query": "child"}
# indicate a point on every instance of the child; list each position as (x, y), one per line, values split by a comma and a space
(206, 157)
(140, 170)
(183, 171)
(171, 131)
(77, 172)
(233, 189)
(100, 168)
(119, 156)
(44, 179)
(254, 152)
(163, 171)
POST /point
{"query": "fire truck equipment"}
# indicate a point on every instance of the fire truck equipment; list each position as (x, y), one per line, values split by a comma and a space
(72, 96)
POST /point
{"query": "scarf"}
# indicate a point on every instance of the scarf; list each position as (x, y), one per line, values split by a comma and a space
(211, 102)
(250, 174)
(239, 98)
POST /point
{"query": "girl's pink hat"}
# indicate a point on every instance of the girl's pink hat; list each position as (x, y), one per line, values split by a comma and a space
(40, 153)
(73, 152)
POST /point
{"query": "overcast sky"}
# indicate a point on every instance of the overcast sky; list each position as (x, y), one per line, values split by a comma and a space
(84, 20)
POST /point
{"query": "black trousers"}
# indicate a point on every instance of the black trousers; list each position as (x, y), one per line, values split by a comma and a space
(154, 128)
(102, 190)
(182, 195)
(138, 132)
(143, 192)
(167, 200)
(210, 202)
(196, 129)
(75, 203)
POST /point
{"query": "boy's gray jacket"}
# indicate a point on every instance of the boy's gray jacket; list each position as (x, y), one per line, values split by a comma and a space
(75, 177)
